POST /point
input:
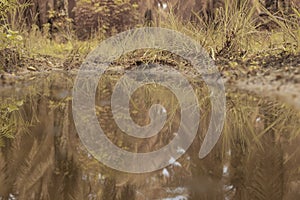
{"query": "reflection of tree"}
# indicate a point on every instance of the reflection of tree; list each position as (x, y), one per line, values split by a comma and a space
(40, 164)
(28, 158)
(206, 174)
(206, 178)
(266, 176)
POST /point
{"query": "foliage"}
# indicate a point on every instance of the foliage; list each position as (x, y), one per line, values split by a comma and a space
(8, 37)
(5, 7)
(105, 17)
(59, 27)
(11, 39)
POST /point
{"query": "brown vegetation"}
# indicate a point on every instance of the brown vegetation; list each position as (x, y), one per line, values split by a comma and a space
(110, 17)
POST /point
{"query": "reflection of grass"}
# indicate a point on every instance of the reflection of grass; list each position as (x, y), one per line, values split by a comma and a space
(250, 118)
(254, 131)
(256, 161)
(254, 147)
(10, 119)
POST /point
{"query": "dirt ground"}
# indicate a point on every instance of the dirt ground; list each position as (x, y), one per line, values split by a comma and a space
(275, 76)
(270, 75)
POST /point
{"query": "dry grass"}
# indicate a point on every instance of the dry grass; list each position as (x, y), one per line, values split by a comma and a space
(235, 30)
(234, 33)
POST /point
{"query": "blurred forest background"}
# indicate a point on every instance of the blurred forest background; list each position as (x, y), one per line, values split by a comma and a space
(111, 16)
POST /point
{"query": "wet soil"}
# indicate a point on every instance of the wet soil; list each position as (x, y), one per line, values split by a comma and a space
(267, 74)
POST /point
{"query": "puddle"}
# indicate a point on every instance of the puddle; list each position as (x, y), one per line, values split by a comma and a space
(42, 156)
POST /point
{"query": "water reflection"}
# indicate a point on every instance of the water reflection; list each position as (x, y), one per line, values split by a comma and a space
(257, 157)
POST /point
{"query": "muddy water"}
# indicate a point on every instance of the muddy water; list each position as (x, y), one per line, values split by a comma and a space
(42, 156)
